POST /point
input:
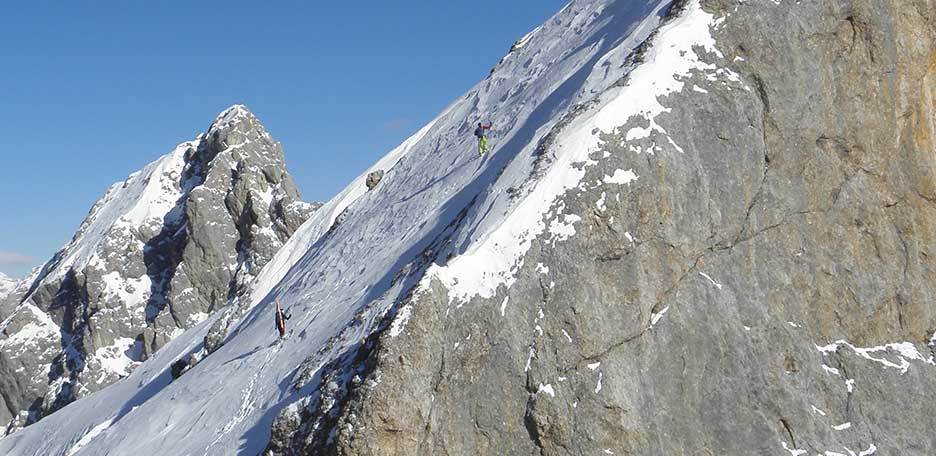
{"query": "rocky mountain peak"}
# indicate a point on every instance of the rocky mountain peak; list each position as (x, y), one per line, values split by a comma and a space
(235, 126)
(156, 255)
(232, 114)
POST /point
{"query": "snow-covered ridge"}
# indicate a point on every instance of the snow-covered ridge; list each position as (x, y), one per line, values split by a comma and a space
(325, 217)
(141, 202)
(436, 199)
(491, 259)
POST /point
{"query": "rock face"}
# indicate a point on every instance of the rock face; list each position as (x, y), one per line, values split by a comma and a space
(374, 178)
(156, 255)
(751, 271)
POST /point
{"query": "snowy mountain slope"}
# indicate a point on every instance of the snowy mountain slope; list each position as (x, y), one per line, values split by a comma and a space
(645, 264)
(734, 210)
(155, 255)
(349, 273)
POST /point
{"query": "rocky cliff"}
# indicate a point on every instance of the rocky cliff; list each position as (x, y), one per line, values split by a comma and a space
(156, 255)
(704, 228)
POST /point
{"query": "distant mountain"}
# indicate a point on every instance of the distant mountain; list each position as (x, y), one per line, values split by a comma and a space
(6, 285)
(156, 255)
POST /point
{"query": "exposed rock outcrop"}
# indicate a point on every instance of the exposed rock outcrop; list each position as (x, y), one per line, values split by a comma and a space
(374, 178)
(156, 255)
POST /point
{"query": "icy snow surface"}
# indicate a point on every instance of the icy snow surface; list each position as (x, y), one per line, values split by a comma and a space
(361, 252)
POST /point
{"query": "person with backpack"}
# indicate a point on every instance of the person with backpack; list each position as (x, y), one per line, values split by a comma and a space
(479, 132)
(281, 318)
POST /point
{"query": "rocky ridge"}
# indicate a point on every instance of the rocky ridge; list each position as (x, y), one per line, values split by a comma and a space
(155, 256)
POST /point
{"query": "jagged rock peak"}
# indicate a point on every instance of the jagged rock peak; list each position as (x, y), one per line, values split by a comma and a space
(233, 131)
(230, 115)
(156, 255)
(237, 119)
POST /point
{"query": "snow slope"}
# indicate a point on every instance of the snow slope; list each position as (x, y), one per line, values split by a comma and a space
(361, 252)
(141, 202)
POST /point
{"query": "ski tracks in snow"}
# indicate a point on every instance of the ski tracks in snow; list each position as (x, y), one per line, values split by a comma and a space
(248, 404)
(88, 437)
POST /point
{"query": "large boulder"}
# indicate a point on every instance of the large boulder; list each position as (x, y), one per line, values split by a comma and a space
(374, 178)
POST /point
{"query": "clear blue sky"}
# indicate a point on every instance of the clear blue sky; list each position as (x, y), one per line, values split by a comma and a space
(89, 94)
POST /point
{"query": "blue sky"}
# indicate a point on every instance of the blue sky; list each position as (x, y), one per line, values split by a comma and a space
(92, 93)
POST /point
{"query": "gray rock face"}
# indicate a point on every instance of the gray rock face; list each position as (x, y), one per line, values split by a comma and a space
(156, 255)
(374, 178)
(764, 284)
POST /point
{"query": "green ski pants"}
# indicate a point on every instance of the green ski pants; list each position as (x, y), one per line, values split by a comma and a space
(482, 145)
